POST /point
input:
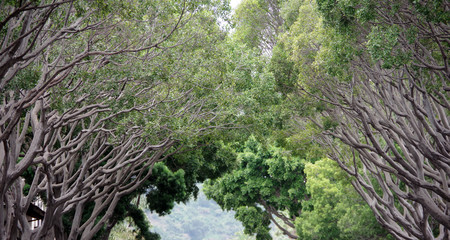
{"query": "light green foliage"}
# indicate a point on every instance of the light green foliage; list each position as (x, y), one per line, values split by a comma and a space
(303, 54)
(381, 45)
(289, 11)
(334, 210)
(252, 95)
(267, 176)
(257, 23)
(122, 231)
(249, 12)
(315, 49)
(185, 81)
(324, 47)
(305, 34)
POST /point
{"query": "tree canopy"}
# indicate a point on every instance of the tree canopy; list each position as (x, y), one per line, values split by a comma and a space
(93, 95)
(381, 69)
(328, 119)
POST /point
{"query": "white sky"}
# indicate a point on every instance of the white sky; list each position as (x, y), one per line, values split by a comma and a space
(234, 3)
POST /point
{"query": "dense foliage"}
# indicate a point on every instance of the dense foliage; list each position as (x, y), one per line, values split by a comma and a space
(267, 185)
(93, 94)
(381, 68)
(335, 210)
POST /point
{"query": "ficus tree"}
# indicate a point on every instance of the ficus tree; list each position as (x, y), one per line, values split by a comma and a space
(172, 181)
(381, 68)
(93, 94)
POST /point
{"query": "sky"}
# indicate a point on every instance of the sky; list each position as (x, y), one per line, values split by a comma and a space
(234, 3)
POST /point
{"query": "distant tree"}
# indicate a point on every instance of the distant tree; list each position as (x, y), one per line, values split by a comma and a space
(258, 23)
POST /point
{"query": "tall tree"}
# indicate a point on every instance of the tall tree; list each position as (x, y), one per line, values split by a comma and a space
(382, 69)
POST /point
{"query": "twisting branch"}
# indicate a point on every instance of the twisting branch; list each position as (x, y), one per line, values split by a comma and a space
(74, 127)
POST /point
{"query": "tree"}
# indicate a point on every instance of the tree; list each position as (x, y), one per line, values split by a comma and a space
(264, 189)
(87, 112)
(173, 181)
(334, 209)
(257, 23)
(382, 70)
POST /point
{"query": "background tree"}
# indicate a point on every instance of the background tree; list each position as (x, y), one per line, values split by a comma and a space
(334, 209)
(199, 219)
(262, 190)
(257, 23)
(326, 209)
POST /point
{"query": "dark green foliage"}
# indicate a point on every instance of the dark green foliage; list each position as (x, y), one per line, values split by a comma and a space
(140, 220)
(267, 176)
(342, 14)
(167, 188)
(433, 11)
(255, 221)
(283, 69)
(208, 162)
(329, 123)
(24, 80)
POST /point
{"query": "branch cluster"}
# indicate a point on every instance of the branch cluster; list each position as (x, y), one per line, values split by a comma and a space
(393, 112)
(81, 114)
